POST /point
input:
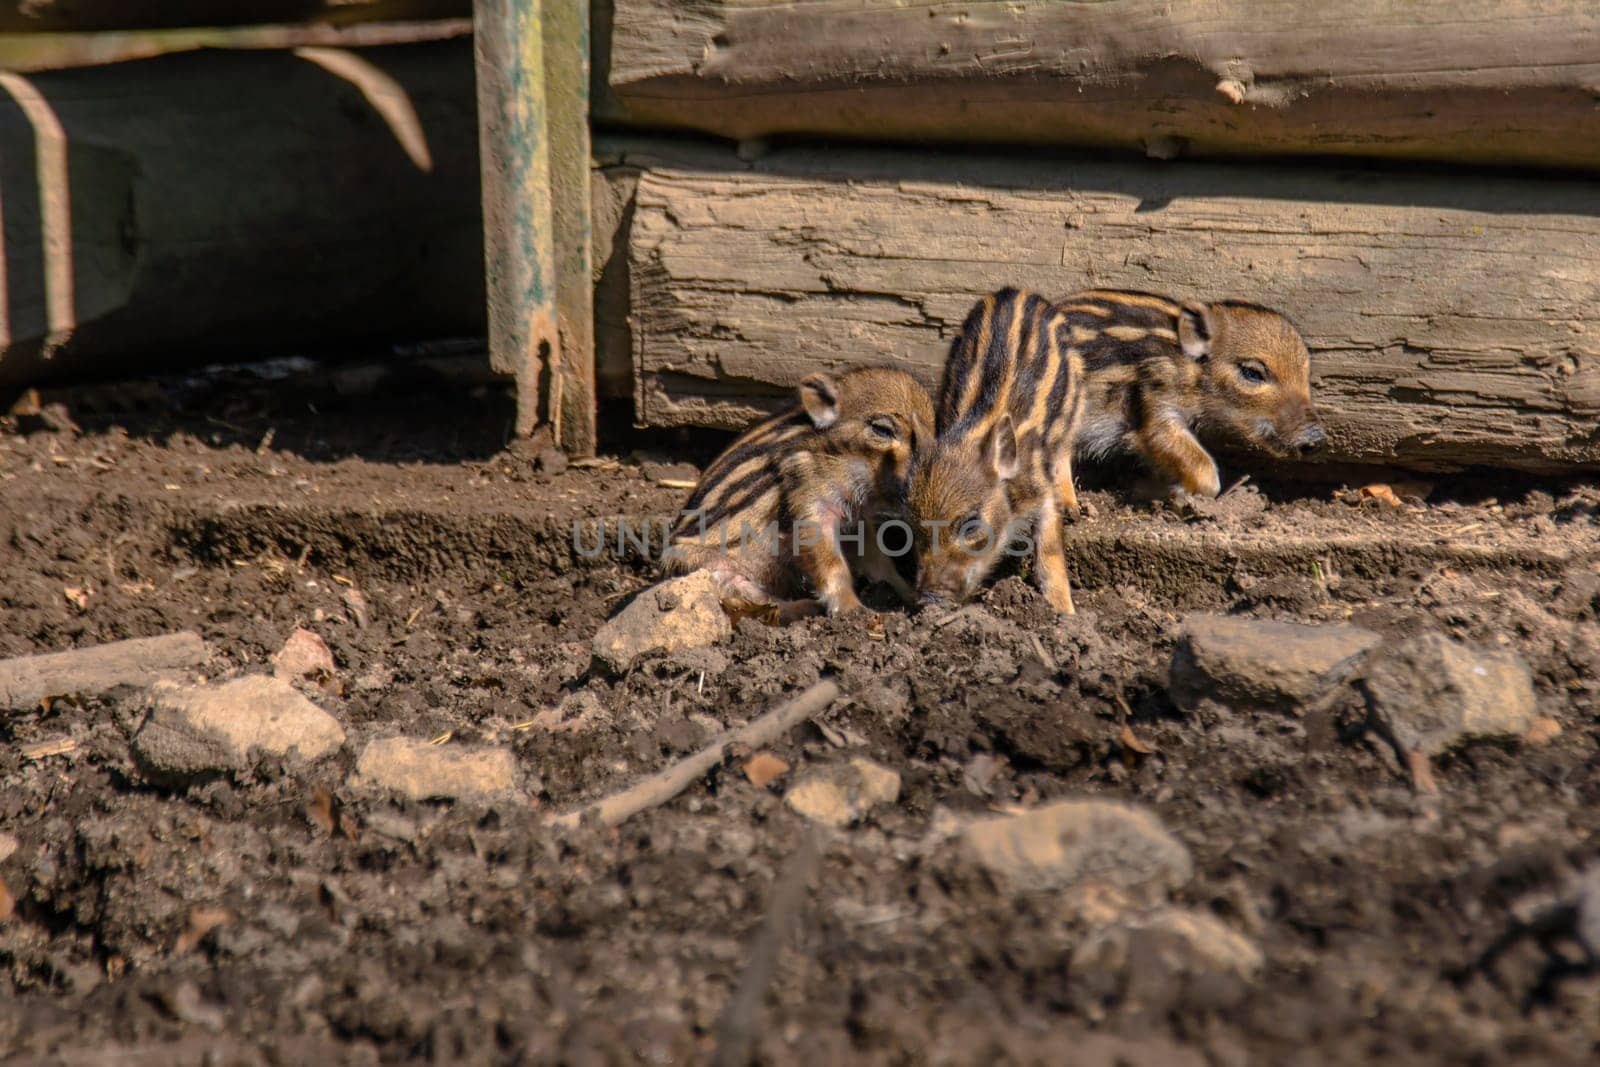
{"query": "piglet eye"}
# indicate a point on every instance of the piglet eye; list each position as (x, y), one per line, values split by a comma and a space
(1253, 373)
(882, 427)
(972, 528)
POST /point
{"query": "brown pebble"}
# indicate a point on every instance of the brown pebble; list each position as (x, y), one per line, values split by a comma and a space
(764, 768)
(1543, 731)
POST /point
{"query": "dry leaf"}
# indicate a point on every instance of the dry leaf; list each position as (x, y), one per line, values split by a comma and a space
(1131, 741)
(319, 810)
(1382, 493)
(78, 597)
(201, 922)
(764, 768)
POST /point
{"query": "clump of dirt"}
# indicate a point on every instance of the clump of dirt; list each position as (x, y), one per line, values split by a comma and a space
(285, 914)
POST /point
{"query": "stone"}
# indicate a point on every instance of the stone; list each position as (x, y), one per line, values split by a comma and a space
(435, 772)
(764, 768)
(1430, 693)
(1171, 955)
(1074, 844)
(843, 793)
(1542, 731)
(303, 655)
(551, 461)
(8, 845)
(195, 731)
(679, 613)
(1262, 664)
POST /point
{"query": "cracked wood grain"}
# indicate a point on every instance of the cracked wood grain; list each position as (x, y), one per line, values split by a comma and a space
(1452, 323)
(1494, 81)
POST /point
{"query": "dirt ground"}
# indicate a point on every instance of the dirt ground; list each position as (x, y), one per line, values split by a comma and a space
(1396, 927)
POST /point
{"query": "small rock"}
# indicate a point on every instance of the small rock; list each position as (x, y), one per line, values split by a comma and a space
(551, 461)
(676, 473)
(1078, 843)
(679, 613)
(1168, 956)
(764, 768)
(1543, 731)
(355, 605)
(8, 845)
(1262, 664)
(196, 731)
(427, 772)
(1429, 693)
(1235, 505)
(840, 794)
(303, 655)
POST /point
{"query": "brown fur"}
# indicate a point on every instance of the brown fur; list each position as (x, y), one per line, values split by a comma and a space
(1028, 385)
(1002, 464)
(835, 463)
(1158, 372)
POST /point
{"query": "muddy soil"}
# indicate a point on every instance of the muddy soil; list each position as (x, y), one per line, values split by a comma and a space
(286, 916)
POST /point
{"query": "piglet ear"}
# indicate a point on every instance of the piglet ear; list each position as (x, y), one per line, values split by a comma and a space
(819, 395)
(1001, 450)
(1195, 328)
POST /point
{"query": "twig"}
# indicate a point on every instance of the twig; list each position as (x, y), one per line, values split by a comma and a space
(967, 612)
(736, 1029)
(662, 787)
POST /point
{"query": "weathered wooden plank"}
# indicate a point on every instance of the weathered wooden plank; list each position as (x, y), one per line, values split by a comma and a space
(1451, 321)
(566, 57)
(31, 52)
(518, 235)
(211, 205)
(1492, 81)
(81, 16)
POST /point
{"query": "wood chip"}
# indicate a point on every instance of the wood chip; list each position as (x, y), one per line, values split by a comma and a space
(201, 922)
(676, 483)
(1131, 741)
(1382, 493)
(59, 747)
(764, 768)
(319, 810)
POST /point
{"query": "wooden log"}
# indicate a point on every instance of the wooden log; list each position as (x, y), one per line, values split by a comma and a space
(81, 16)
(1451, 321)
(27, 680)
(1491, 81)
(210, 205)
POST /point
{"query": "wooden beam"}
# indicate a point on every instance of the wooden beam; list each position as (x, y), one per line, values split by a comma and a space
(566, 58)
(519, 243)
(1487, 81)
(533, 88)
(1451, 321)
(94, 16)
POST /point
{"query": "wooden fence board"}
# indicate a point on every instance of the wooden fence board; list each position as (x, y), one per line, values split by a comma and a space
(1451, 323)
